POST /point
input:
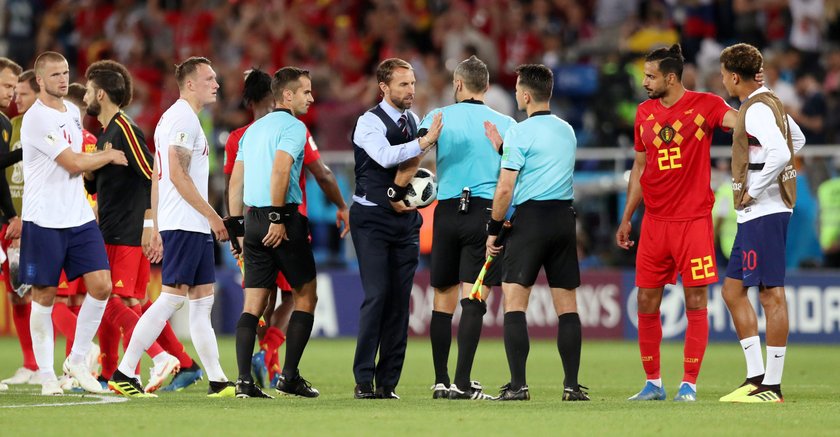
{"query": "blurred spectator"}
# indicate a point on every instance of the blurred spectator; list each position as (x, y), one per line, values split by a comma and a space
(21, 27)
(614, 105)
(831, 88)
(803, 245)
(453, 32)
(724, 216)
(699, 24)
(811, 116)
(748, 17)
(832, 18)
(517, 44)
(654, 32)
(611, 18)
(785, 91)
(806, 29)
(828, 195)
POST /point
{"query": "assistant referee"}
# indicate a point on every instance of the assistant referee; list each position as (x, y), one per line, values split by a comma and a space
(537, 164)
(468, 168)
(276, 234)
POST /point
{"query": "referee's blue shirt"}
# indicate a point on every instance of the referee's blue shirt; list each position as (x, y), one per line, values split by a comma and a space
(279, 130)
(542, 150)
(465, 157)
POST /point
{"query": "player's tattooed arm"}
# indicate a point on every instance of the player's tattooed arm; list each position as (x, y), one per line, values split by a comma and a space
(180, 176)
(184, 158)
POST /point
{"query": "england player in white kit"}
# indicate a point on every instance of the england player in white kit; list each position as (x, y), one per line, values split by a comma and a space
(59, 228)
(187, 224)
(764, 141)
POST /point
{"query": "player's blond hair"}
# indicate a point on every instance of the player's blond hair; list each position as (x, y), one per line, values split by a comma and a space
(188, 67)
(10, 64)
(45, 57)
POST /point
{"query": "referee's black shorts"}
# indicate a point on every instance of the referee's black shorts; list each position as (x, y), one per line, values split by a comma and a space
(543, 235)
(293, 257)
(458, 244)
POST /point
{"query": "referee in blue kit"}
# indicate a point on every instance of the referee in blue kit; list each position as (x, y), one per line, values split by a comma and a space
(276, 235)
(537, 164)
(386, 233)
(467, 168)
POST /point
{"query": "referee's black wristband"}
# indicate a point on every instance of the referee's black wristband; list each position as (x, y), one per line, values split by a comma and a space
(235, 225)
(396, 193)
(494, 227)
(501, 149)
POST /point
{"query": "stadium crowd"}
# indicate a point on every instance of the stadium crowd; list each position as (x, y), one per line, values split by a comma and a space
(595, 48)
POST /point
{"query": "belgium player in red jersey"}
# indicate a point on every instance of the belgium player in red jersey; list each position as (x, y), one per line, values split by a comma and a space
(671, 172)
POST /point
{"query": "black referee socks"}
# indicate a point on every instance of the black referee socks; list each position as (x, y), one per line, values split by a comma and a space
(440, 333)
(246, 334)
(517, 347)
(568, 344)
(469, 332)
(300, 328)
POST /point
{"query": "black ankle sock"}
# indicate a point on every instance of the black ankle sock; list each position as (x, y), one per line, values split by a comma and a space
(440, 333)
(776, 388)
(756, 380)
(469, 332)
(300, 328)
(246, 333)
(517, 347)
(568, 344)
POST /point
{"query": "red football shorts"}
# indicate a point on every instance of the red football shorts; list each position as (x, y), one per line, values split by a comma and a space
(5, 268)
(282, 283)
(129, 270)
(670, 247)
(70, 288)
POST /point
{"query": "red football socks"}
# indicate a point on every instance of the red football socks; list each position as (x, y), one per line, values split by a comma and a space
(65, 321)
(20, 315)
(696, 339)
(650, 337)
(109, 345)
(274, 338)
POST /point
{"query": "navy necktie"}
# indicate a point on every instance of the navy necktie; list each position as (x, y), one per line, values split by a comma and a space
(403, 124)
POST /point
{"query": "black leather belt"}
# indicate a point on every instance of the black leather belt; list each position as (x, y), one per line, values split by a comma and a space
(757, 167)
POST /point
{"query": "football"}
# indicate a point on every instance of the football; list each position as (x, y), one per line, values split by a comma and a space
(422, 190)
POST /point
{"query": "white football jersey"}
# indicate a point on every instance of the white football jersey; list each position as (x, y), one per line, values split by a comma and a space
(52, 197)
(179, 127)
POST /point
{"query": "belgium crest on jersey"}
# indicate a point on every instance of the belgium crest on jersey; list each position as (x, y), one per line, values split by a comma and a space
(667, 134)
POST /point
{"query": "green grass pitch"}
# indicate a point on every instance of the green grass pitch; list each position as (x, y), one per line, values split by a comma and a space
(611, 369)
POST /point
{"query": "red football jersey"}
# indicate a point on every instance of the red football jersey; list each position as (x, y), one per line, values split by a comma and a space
(310, 154)
(232, 147)
(676, 182)
(89, 146)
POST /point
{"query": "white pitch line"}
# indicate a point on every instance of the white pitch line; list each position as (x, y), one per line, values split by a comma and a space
(102, 400)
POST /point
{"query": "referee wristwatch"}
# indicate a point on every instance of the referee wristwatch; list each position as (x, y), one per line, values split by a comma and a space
(275, 217)
(280, 214)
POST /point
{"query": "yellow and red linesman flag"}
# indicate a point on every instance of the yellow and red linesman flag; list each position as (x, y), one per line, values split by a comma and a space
(475, 293)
